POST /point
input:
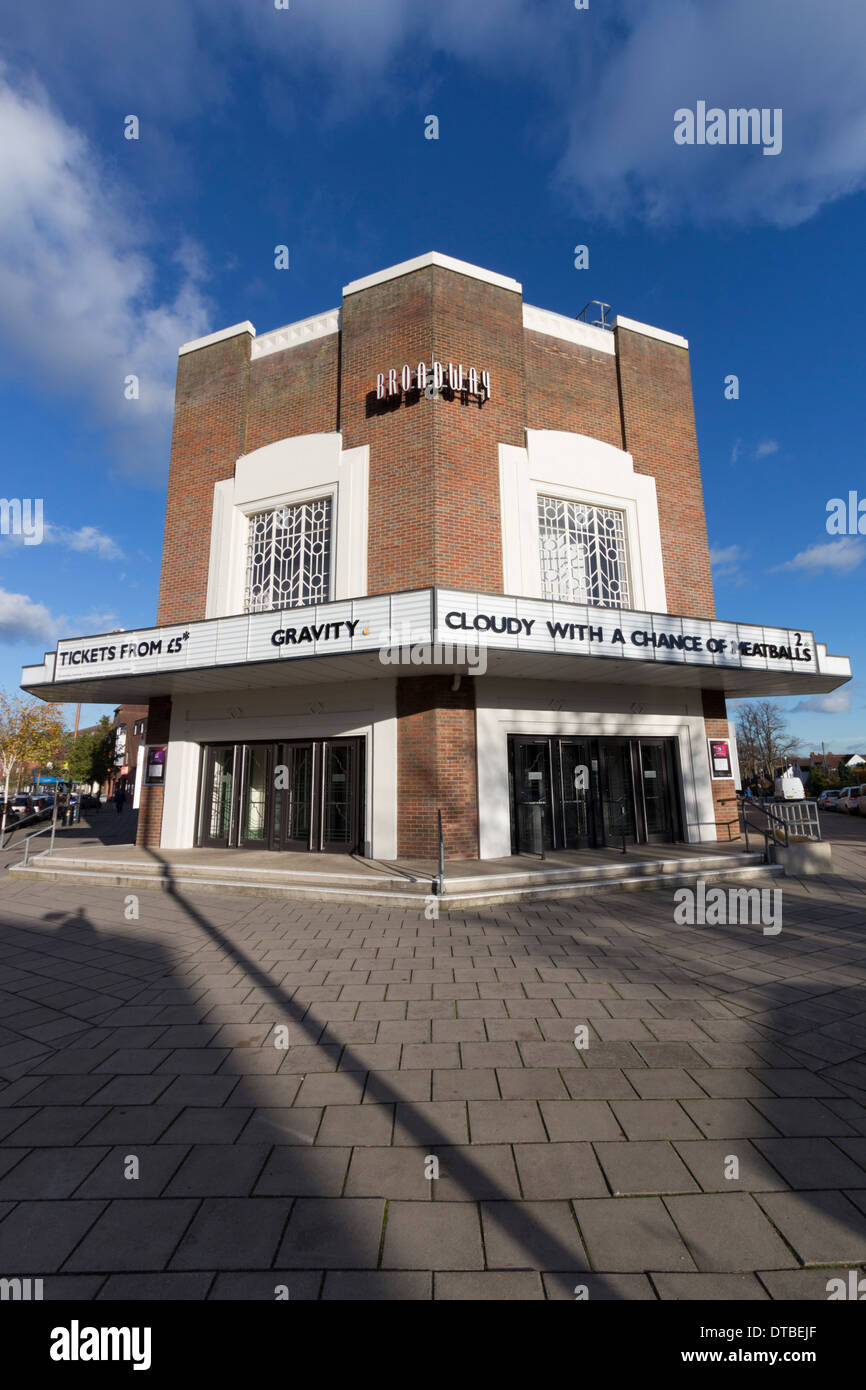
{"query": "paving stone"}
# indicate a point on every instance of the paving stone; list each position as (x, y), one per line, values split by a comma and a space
(722, 1119)
(361, 1286)
(47, 1173)
(823, 1227)
(808, 1163)
(598, 1083)
(232, 1233)
(579, 1119)
(393, 1173)
(669, 1054)
(299, 1171)
(332, 1088)
(211, 1125)
(65, 1090)
(147, 1288)
(303, 1286)
(157, 1162)
(559, 1171)
(532, 1235)
(709, 1160)
(219, 1170)
(479, 1083)
(802, 1116)
(57, 1125)
(506, 1121)
(641, 1169)
(722, 1288)
(438, 1235)
(348, 1125)
(594, 1288)
(654, 1119)
(633, 1235)
(531, 1083)
(472, 1172)
(136, 1234)
(806, 1284)
(659, 1083)
(334, 1233)
(71, 1288)
(515, 1286)
(795, 1082)
(729, 1233)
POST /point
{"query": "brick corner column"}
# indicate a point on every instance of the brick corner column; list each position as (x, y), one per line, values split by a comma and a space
(436, 767)
(724, 794)
(149, 829)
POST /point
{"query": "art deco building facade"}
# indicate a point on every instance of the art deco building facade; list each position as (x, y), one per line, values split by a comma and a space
(436, 550)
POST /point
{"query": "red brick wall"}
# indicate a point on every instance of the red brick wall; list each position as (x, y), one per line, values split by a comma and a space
(436, 757)
(569, 387)
(434, 465)
(294, 392)
(659, 432)
(149, 830)
(724, 793)
(209, 436)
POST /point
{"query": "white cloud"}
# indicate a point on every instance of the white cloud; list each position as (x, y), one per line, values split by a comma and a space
(727, 563)
(22, 620)
(802, 57)
(736, 451)
(839, 556)
(766, 448)
(80, 306)
(837, 702)
(85, 538)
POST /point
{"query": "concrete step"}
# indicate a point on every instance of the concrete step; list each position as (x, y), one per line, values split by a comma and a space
(459, 894)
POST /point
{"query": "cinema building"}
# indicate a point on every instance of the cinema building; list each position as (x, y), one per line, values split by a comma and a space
(436, 550)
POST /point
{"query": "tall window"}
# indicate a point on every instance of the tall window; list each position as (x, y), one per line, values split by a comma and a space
(289, 557)
(583, 552)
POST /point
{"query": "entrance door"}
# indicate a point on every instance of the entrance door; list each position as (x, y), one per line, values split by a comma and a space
(293, 800)
(257, 795)
(658, 783)
(576, 798)
(617, 791)
(339, 827)
(217, 796)
(532, 795)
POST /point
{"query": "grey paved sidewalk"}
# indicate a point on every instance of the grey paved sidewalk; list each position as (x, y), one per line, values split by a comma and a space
(710, 1142)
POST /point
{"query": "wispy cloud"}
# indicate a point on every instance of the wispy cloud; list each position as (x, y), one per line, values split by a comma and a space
(86, 539)
(727, 563)
(79, 299)
(837, 702)
(838, 556)
(766, 448)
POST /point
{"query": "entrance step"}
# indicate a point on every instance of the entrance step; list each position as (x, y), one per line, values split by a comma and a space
(369, 888)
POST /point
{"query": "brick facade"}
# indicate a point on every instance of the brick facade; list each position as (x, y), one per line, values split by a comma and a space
(149, 832)
(436, 767)
(724, 796)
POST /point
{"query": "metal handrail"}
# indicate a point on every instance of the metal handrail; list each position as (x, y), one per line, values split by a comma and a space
(440, 882)
(52, 826)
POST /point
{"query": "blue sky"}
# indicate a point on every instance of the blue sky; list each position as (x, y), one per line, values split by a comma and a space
(305, 127)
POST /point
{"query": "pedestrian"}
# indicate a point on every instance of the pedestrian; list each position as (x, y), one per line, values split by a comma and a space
(119, 798)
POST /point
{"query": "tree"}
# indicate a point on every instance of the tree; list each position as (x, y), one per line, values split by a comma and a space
(90, 757)
(30, 731)
(763, 739)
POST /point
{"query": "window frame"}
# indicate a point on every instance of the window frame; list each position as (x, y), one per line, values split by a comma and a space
(289, 501)
(544, 494)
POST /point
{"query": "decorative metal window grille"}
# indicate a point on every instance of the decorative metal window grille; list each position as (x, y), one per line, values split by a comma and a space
(583, 551)
(289, 557)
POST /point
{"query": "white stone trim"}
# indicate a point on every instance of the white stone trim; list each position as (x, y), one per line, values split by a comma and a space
(511, 707)
(570, 330)
(578, 468)
(304, 331)
(233, 332)
(393, 272)
(663, 336)
(317, 466)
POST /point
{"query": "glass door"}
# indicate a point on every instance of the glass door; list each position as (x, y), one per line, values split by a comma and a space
(256, 795)
(532, 795)
(339, 819)
(617, 791)
(293, 799)
(657, 784)
(217, 792)
(576, 779)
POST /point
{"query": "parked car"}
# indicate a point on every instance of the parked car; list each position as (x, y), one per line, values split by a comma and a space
(20, 807)
(43, 806)
(849, 801)
(827, 800)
